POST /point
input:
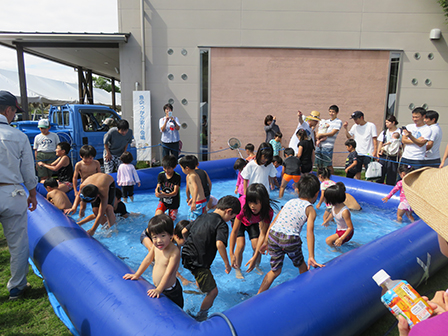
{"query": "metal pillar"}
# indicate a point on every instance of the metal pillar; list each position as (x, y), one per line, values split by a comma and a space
(22, 80)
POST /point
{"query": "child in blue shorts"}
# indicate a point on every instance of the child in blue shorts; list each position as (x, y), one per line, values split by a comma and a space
(284, 233)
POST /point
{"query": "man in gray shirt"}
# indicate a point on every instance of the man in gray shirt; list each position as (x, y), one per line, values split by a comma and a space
(16, 167)
(116, 141)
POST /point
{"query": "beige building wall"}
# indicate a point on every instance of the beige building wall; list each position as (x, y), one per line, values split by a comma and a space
(353, 25)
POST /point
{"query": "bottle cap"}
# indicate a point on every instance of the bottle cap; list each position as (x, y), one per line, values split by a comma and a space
(380, 277)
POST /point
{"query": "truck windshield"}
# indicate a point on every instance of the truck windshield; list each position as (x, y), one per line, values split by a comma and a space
(98, 121)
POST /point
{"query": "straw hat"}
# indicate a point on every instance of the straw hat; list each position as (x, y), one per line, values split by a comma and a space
(427, 193)
(314, 115)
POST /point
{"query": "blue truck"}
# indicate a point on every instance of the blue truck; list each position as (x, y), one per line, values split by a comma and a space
(78, 125)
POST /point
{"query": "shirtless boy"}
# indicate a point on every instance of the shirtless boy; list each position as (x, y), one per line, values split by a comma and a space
(55, 196)
(98, 189)
(166, 260)
(198, 201)
(84, 168)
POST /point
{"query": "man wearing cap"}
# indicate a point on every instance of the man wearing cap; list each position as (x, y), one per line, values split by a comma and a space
(16, 167)
(45, 148)
(364, 133)
(415, 138)
(308, 125)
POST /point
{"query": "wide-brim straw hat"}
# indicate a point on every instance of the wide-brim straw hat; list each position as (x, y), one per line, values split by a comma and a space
(426, 190)
(314, 115)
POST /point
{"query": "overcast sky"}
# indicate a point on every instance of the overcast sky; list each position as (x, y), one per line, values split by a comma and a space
(92, 16)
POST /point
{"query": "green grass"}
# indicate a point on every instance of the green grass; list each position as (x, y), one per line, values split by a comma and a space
(33, 315)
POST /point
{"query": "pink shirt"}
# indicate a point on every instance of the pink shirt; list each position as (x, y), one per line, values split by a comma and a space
(398, 186)
(240, 184)
(127, 175)
(253, 219)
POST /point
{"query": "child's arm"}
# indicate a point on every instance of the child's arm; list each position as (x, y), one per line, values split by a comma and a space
(299, 151)
(101, 213)
(246, 183)
(136, 177)
(187, 190)
(75, 204)
(329, 218)
(322, 193)
(194, 193)
(209, 182)
(171, 269)
(55, 166)
(445, 156)
(157, 192)
(232, 242)
(86, 220)
(392, 192)
(311, 215)
(98, 166)
(353, 165)
(75, 178)
(348, 220)
(142, 268)
(223, 253)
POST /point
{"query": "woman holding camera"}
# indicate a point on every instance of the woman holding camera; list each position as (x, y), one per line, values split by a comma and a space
(169, 126)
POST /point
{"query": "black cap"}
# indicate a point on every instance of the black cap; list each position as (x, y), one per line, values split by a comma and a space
(8, 99)
(356, 115)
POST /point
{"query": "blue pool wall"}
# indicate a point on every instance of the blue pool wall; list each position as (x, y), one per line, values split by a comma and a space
(339, 299)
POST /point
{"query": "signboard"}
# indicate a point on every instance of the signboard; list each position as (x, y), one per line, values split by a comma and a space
(142, 124)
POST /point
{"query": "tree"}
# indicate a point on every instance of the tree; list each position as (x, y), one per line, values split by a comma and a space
(104, 83)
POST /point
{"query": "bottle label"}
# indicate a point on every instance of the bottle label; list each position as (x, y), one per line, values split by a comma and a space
(404, 300)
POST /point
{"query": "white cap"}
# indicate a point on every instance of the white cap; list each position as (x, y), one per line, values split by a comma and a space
(43, 123)
(380, 277)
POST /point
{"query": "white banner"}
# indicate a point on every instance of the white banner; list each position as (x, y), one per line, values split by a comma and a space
(142, 124)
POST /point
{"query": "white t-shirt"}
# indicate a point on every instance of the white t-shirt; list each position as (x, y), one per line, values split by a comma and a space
(171, 134)
(436, 136)
(413, 151)
(332, 125)
(258, 174)
(294, 142)
(363, 135)
(46, 143)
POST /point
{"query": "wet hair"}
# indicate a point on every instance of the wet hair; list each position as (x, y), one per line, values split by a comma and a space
(301, 134)
(169, 161)
(309, 186)
(419, 110)
(265, 150)
(122, 125)
(160, 224)
(118, 193)
(87, 151)
(250, 147)
(239, 164)
(350, 142)
(391, 118)
(289, 151)
(189, 161)
(51, 182)
(256, 192)
(229, 202)
(167, 107)
(334, 108)
(279, 135)
(89, 193)
(267, 119)
(277, 159)
(126, 157)
(179, 227)
(65, 146)
(405, 169)
(431, 114)
(324, 172)
(335, 194)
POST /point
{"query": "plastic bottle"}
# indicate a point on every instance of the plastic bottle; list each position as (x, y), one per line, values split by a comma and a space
(402, 299)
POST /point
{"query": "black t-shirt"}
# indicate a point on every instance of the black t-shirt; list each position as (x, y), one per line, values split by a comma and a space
(307, 151)
(292, 165)
(167, 186)
(199, 249)
(121, 209)
(352, 156)
(203, 176)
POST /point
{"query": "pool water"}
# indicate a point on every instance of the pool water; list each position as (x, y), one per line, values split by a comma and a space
(124, 241)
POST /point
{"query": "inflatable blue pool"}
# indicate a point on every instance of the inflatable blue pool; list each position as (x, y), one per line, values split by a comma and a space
(339, 299)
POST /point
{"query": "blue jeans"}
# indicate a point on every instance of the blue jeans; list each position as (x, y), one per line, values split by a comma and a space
(324, 157)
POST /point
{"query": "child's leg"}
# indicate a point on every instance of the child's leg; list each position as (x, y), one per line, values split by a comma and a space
(239, 249)
(400, 214)
(131, 193)
(330, 240)
(409, 215)
(110, 215)
(64, 187)
(209, 299)
(326, 214)
(269, 279)
(282, 188)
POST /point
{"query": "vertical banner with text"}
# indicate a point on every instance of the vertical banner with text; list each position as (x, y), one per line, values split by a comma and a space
(142, 124)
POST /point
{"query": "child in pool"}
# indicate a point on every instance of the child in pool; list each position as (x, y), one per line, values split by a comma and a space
(127, 176)
(166, 257)
(255, 211)
(283, 235)
(305, 151)
(335, 195)
(403, 207)
(323, 174)
(239, 165)
(260, 170)
(290, 170)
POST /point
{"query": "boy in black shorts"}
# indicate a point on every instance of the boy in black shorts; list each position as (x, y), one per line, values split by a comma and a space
(203, 238)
